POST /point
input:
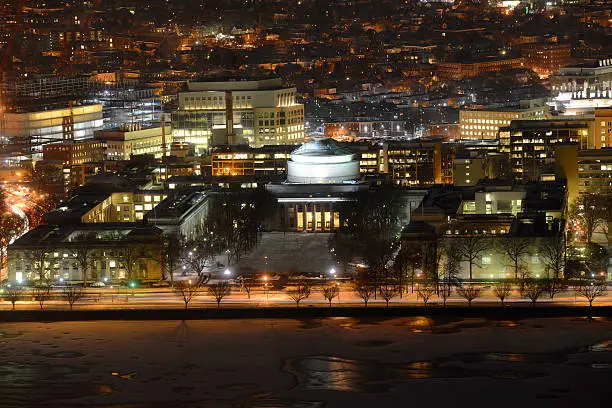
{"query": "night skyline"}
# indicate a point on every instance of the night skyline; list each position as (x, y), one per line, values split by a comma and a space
(305, 203)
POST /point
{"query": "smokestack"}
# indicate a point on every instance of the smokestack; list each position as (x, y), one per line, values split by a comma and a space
(229, 118)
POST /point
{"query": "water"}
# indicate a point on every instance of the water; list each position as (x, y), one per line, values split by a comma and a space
(307, 363)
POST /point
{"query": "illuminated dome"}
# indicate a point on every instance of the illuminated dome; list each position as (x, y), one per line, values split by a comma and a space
(322, 161)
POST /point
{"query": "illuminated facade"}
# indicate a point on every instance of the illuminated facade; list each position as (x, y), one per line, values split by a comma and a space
(602, 128)
(546, 58)
(496, 212)
(130, 140)
(485, 123)
(30, 130)
(247, 161)
(349, 131)
(105, 244)
(84, 151)
(413, 163)
(531, 145)
(458, 70)
(583, 88)
(264, 113)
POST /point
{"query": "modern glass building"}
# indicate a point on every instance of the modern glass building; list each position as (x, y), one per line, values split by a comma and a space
(264, 113)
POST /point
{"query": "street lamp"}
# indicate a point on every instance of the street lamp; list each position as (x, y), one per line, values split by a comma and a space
(227, 272)
(266, 285)
(266, 263)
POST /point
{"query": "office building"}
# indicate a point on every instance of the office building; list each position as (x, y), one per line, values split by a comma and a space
(264, 113)
(27, 131)
(417, 163)
(77, 152)
(247, 161)
(530, 145)
(485, 123)
(128, 140)
(472, 166)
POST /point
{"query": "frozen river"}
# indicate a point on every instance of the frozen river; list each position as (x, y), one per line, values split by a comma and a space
(329, 362)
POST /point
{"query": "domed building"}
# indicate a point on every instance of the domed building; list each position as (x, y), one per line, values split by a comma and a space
(322, 161)
(321, 174)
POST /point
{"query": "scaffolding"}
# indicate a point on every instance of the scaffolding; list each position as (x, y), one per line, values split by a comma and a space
(22, 95)
(127, 104)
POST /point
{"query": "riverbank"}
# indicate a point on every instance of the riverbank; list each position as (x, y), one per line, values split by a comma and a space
(518, 311)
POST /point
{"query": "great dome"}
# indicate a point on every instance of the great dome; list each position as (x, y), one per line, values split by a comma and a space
(322, 161)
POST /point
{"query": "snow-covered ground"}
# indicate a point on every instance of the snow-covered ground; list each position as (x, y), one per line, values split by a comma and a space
(331, 362)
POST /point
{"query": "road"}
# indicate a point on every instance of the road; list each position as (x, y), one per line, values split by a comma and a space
(163, 298)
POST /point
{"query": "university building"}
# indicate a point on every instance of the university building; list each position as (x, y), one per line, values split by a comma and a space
(485, 123)
(263, 112)
(27, 131)
(496, 212)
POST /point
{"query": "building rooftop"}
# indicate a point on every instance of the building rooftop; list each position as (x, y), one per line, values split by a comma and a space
(229, 83)
(59, 236)
(322, 147)
(177, 205)
(71, 211)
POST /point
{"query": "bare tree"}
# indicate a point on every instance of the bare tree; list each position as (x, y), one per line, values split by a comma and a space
(38, 257)
(187, 290)
(425, 292)
(388, 292)
(219, 290)
(552, 251)
(84, 258)
(450, 266)
(199, 251)
(590, 210)
(408, 260)
(299, 292)
(129, 258)
(502, 290)
(41, 293)
(247, 285)
(330, 292)
(11, 227)
(470, 249)
(365, 291)
(173, 248)
(591, 291)
(469, 292)
(514, 250)
(72, 294)
(552, 286)
(533, 291)
(14, 293)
